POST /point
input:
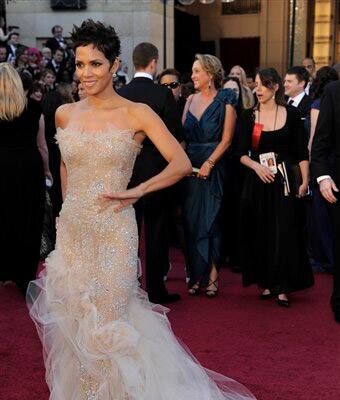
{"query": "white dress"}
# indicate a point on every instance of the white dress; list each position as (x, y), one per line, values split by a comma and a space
(102, 338)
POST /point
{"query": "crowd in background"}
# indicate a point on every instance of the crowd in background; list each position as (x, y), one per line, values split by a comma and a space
(233, 210)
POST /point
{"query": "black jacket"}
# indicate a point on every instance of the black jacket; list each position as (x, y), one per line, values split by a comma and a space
(53, 44)
(327, 134)
(304, 106)
(161, 101)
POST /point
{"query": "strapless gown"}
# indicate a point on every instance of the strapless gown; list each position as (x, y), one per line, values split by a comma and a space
(102, 339)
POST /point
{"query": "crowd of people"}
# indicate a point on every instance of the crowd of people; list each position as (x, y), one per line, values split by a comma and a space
(250, 202)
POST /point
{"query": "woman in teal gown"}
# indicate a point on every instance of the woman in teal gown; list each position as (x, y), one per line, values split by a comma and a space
(209, 120)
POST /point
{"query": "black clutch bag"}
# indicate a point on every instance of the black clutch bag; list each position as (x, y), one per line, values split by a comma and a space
(294, 177)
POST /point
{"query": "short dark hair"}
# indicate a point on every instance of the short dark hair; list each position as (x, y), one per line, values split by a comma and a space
(269, 78)
(57, 49)
(102, 36)
(12, 34)
(143, 54)
(169, 71)
(55, 27)
(47, 71)
(300, 72)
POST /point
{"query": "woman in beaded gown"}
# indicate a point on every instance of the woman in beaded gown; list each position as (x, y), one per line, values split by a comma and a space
(102, 338)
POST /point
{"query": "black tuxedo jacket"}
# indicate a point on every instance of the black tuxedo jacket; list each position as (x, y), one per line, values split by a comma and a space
(304, 106)
(10, 51)
(160, 99)
(53, 44)
(50, 66)
(327, 134)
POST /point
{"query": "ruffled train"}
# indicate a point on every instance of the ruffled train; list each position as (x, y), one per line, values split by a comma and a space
(136, 357)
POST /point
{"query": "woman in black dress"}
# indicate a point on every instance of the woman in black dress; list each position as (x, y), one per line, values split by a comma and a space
(273, 252)
(22, 182)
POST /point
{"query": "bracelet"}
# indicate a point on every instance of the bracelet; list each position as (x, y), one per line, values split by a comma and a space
(211, 162)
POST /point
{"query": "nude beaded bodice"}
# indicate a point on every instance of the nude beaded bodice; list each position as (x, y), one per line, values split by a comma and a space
(96, 162)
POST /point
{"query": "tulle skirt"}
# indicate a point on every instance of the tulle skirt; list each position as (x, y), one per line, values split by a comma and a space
(136, 357)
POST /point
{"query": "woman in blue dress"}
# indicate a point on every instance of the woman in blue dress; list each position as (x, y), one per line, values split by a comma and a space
(209, 120)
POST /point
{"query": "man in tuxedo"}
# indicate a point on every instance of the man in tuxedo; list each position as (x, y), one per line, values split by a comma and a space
(295, 82)
(57, 64)
(153, 208)
(57, 41)
(327, 141)
(12, 45)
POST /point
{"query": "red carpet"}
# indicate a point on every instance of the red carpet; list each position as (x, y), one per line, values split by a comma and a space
(279, 354)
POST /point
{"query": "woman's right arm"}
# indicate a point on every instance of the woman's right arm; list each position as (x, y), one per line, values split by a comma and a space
(244, 146)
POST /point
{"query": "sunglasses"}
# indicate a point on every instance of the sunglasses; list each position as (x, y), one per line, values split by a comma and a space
(171, 85)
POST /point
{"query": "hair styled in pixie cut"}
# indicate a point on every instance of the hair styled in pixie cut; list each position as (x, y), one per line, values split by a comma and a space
(103, 37)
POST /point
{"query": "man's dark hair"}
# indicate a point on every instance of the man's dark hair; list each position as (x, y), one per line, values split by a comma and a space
(300, 72)
(57, 49)
(143, 54)
(169, 71)
(103, 37)
(13, 34)
(55, 27)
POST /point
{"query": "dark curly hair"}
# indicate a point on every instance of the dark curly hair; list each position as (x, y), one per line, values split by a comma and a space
(269, 78)
(102, 36)
(323, 76)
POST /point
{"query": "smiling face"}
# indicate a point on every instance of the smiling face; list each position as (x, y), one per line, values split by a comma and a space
(292, 85)
(37, 95)
(263, 93)
(199, 76)
(94, 70)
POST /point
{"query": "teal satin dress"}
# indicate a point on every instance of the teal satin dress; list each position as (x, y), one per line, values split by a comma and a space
(202, 199)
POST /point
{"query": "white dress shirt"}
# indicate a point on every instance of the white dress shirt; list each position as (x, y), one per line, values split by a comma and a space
(297, 99)
(143, 75)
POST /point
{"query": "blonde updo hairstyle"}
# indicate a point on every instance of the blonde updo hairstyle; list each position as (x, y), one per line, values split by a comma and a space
(213, 66)
(12, 96)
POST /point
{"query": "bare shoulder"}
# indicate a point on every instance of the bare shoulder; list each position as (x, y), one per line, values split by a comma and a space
(63, 114)
(140, 114)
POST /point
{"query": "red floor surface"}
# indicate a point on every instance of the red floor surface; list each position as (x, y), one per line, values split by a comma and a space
(279, 354)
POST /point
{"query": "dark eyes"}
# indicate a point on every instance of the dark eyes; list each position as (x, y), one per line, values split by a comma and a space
(93, 63)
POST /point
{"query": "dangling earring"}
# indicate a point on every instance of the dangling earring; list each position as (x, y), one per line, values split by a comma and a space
(114, 75)
(209, 85)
